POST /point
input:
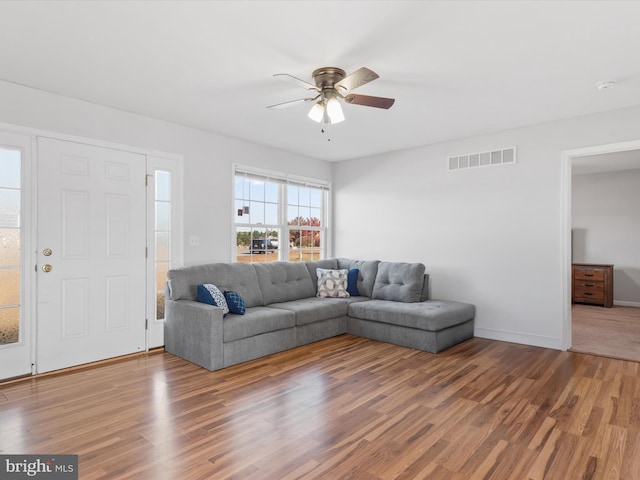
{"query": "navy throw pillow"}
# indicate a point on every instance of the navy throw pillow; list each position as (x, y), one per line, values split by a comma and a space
(352, 282)
(208, 293)
(235, 302)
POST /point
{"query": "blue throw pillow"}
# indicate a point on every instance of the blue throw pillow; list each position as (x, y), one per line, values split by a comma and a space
(208, 293)
(352, 282)
(235, 302)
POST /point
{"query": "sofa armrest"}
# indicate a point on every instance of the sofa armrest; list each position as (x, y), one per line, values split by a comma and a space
(193, 331)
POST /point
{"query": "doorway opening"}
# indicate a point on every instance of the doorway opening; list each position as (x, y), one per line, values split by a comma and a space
(600, 221)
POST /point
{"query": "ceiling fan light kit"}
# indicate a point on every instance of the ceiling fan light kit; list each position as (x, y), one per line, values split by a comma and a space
(317, 112)
(334, 111)
(330, 85)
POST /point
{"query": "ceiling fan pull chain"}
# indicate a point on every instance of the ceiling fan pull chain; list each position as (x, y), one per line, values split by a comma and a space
(325, 129)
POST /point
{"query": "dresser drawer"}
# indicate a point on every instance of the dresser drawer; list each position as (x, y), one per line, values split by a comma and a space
(589, 284)
(588, 274)
(589, 293)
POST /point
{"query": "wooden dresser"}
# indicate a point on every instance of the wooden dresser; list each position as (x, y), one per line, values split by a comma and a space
(592, 283)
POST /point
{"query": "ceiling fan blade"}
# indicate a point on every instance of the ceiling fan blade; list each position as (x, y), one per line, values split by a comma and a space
(296, 80)
(368, 101)
(358, 78)
(278, 106)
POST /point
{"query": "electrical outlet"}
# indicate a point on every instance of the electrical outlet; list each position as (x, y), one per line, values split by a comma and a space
(194, 241)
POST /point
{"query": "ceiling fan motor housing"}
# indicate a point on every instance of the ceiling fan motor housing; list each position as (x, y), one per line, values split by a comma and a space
(327, 77)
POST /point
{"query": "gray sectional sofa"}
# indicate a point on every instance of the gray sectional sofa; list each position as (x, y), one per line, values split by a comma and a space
(283, 311)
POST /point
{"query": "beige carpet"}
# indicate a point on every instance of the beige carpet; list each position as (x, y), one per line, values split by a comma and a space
(610, 332)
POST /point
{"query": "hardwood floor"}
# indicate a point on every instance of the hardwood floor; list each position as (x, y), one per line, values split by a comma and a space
(343, 408)
(612, 332)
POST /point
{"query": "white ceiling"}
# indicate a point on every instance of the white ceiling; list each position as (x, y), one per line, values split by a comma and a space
(455, 68)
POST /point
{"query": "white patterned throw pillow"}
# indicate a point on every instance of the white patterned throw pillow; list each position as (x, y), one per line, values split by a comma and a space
(209, 293)
(332, 283)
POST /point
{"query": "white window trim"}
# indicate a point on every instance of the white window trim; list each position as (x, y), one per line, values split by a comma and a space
(174, 165)
(18, 358)
(283, 177)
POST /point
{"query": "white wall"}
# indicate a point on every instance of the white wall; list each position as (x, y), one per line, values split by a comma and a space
(207, 157)
(606, 227)
(490, 236)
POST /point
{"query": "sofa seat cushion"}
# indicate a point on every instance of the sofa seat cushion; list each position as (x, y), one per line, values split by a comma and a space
(255, 321)
(432, 315)
(315, 309)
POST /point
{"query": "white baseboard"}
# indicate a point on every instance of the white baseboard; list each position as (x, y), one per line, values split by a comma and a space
(518, 337)
(622, 303)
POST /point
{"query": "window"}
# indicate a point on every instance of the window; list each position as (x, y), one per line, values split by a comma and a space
(162, 236)
(279, 217)
(10, 251)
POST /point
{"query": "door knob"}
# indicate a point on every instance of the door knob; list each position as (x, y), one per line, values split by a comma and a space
(47, 268)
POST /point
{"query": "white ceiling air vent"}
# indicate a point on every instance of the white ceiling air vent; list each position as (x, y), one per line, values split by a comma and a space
(501, 156)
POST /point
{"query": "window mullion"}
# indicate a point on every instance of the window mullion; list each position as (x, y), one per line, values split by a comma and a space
(284, 229)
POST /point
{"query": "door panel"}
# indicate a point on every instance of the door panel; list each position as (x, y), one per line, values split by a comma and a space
(92, 216)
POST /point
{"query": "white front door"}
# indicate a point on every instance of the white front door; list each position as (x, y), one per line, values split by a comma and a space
(91, 263)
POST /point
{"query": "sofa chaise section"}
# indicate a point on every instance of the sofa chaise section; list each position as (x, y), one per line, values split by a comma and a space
(431, 326)
(400, 312)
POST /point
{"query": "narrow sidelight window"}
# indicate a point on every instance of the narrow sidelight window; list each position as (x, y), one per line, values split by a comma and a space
(162, 237)
(10, 245)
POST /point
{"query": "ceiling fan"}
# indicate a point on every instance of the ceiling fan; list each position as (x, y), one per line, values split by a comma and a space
(330, 85)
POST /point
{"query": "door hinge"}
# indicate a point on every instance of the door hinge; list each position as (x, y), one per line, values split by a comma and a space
(146, 252)
(146, 180)
(146, 324)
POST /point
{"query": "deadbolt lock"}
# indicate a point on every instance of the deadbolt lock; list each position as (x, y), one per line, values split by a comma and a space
(47, 252)
(47, 268)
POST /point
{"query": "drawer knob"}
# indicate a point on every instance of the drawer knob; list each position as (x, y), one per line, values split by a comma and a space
(588, 293)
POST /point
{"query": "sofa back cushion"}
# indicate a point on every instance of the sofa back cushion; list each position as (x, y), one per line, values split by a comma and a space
(368, 269)
(237, 277)
(284, 281)
(399, 282)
